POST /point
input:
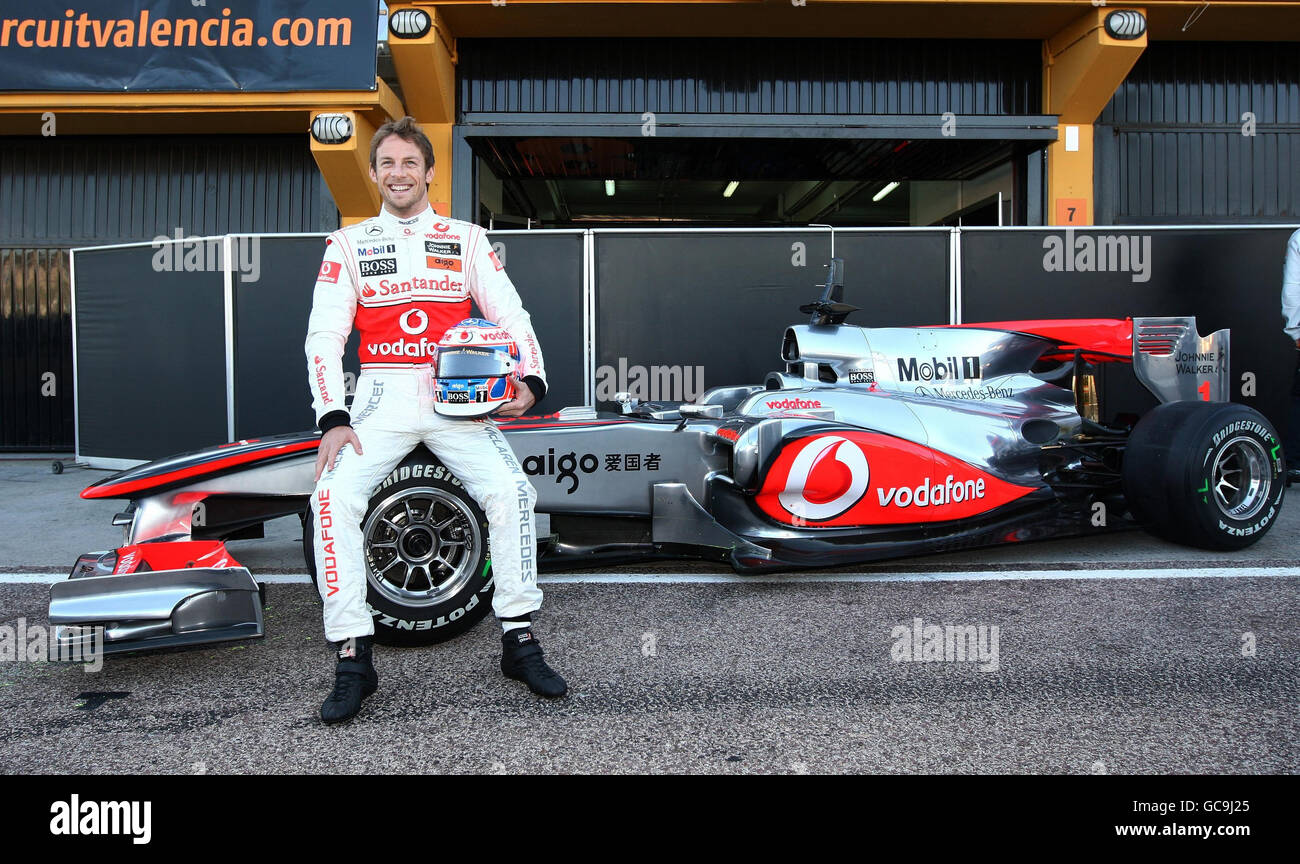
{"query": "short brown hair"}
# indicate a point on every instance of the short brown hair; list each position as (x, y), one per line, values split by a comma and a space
(408, 130)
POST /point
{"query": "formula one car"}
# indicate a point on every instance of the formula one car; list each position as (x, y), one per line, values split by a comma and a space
(870, 443)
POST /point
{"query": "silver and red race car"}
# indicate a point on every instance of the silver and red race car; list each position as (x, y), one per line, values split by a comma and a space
(870, 443)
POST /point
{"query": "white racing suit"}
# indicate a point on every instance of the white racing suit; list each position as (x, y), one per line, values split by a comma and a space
(402, 283)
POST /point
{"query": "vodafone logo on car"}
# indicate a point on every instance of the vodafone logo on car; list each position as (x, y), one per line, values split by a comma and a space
(792, 404)
(828, 477)
(852, 477)
(932, 493)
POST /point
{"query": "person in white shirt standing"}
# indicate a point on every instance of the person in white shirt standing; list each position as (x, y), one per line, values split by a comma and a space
(402, 279)
(1291, 324)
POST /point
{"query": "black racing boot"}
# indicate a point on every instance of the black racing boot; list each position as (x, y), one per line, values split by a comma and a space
(521, 659)
(354, 679)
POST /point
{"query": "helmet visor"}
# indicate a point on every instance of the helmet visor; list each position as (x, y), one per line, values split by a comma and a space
(473, 363)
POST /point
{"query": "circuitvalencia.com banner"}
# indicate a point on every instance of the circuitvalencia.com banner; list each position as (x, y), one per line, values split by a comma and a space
(180, 46)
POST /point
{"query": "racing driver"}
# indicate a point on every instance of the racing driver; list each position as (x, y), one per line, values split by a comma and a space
(402, 278)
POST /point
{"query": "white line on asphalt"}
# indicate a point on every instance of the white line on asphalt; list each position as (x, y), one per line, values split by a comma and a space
(734, 578)
(938, 576)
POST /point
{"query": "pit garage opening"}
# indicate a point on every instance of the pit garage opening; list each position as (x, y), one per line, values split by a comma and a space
(756, 132)
(751, 181)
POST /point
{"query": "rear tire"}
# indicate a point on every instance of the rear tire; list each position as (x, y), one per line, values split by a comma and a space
(428, 563)
(1205, 474)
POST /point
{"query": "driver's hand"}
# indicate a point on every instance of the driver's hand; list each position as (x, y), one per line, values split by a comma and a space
(522, 402)
(330, 445)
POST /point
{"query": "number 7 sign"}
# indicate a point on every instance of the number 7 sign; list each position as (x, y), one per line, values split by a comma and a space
(1072, 211)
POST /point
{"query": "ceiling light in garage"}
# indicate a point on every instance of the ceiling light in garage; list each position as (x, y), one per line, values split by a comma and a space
(331, 128)
(609, 188)
(409, 23)
(889, 187)
(1125, 24)
(731, 189)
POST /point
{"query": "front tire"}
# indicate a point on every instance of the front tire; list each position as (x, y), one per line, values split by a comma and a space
(426, 548)
(1210, 475)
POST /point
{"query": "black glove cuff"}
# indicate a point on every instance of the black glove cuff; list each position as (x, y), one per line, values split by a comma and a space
(537, 385)
(332, 420)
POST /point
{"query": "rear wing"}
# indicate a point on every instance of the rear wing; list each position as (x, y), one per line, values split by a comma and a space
(1177, 364)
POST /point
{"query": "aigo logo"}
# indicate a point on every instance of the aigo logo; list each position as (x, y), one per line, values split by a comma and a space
(828, 477)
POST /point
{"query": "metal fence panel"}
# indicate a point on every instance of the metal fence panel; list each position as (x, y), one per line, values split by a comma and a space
(150, 356)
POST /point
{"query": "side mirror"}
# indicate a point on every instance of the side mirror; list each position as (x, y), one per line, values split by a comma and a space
(691, 410)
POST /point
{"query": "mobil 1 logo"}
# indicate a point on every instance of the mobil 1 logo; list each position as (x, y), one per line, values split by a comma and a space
(938, 368)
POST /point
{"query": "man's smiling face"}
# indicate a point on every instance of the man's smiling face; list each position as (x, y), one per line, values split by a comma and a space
(402, 176)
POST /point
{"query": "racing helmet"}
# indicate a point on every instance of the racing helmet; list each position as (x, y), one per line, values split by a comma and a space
(474, 366)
